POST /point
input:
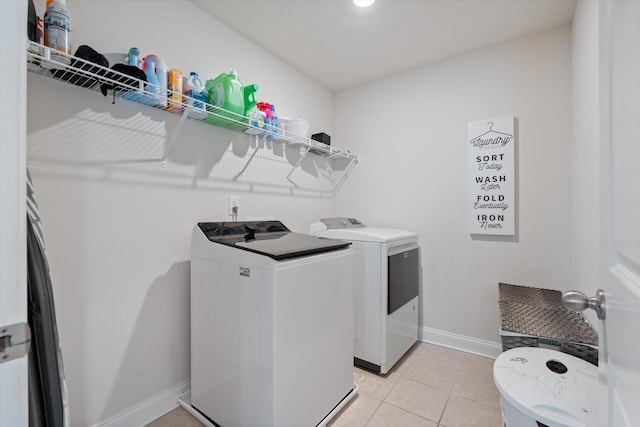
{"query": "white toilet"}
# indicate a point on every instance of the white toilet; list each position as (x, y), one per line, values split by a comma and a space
(546, 388)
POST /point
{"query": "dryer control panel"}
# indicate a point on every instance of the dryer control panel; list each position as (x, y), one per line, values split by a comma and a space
(331, 223)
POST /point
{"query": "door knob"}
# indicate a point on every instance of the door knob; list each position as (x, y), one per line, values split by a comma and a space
(577, 301)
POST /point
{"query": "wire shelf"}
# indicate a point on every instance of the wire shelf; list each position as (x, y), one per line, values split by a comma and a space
(80, 72)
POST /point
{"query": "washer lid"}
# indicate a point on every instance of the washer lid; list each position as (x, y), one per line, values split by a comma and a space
(548, 386)
(270, 238)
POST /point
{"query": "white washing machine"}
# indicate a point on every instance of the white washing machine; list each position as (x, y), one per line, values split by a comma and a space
(386, 289)
(271, 325)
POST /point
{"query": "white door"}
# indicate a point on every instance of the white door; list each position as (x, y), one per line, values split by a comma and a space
(620, 251)
(13, 129)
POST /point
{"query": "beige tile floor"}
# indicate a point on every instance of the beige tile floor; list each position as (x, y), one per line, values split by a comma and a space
(430, 386)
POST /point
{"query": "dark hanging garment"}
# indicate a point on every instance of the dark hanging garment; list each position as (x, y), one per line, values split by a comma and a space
(84, 67)
(32, 22)
(48, 400)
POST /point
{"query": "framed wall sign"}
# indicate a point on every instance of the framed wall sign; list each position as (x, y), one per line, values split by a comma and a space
(492, 208)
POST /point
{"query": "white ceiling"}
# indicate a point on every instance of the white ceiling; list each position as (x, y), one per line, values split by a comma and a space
(340, 45)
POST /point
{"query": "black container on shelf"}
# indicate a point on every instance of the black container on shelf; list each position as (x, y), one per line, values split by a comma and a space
(322, 137)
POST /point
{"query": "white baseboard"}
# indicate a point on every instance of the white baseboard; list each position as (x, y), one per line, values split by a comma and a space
(149, 410)
(461, 342)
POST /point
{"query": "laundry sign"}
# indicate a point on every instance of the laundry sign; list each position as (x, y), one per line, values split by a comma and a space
(491, 147)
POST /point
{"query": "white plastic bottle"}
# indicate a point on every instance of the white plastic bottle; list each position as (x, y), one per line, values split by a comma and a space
(195, 90)
(57, 31)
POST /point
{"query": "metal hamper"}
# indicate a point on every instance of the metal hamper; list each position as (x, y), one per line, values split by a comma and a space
(535, 317)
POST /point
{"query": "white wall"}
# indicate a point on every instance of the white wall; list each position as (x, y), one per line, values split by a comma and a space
(585, 147)
(117, 225)
(118, 233)
(410, 131)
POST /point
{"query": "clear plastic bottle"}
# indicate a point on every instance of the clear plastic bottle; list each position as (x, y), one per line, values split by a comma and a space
(57, 31)
(256, 122)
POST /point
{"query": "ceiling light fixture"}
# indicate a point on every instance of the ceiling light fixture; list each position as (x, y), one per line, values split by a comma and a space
(363, 3)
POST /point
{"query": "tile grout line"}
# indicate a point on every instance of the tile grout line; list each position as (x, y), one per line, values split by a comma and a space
(410, 412)
(458, 373)
(372, 414)
(473, 398)
(443, 409)
(457, 370)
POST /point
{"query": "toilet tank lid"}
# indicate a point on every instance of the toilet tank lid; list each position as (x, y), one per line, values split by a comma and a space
(549, 386)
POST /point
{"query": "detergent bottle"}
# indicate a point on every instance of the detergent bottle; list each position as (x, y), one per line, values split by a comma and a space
(156, 72)
(196, 96)
(225, 91)
(250, 99)
(133, 59)
(154, 92)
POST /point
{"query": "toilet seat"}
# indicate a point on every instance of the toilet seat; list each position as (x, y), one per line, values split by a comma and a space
(539, 385)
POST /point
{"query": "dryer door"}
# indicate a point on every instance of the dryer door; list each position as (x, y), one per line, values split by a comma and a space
(403, 278)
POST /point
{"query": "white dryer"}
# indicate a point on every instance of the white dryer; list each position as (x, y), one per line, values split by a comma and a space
(271, 325)
(387, 284)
